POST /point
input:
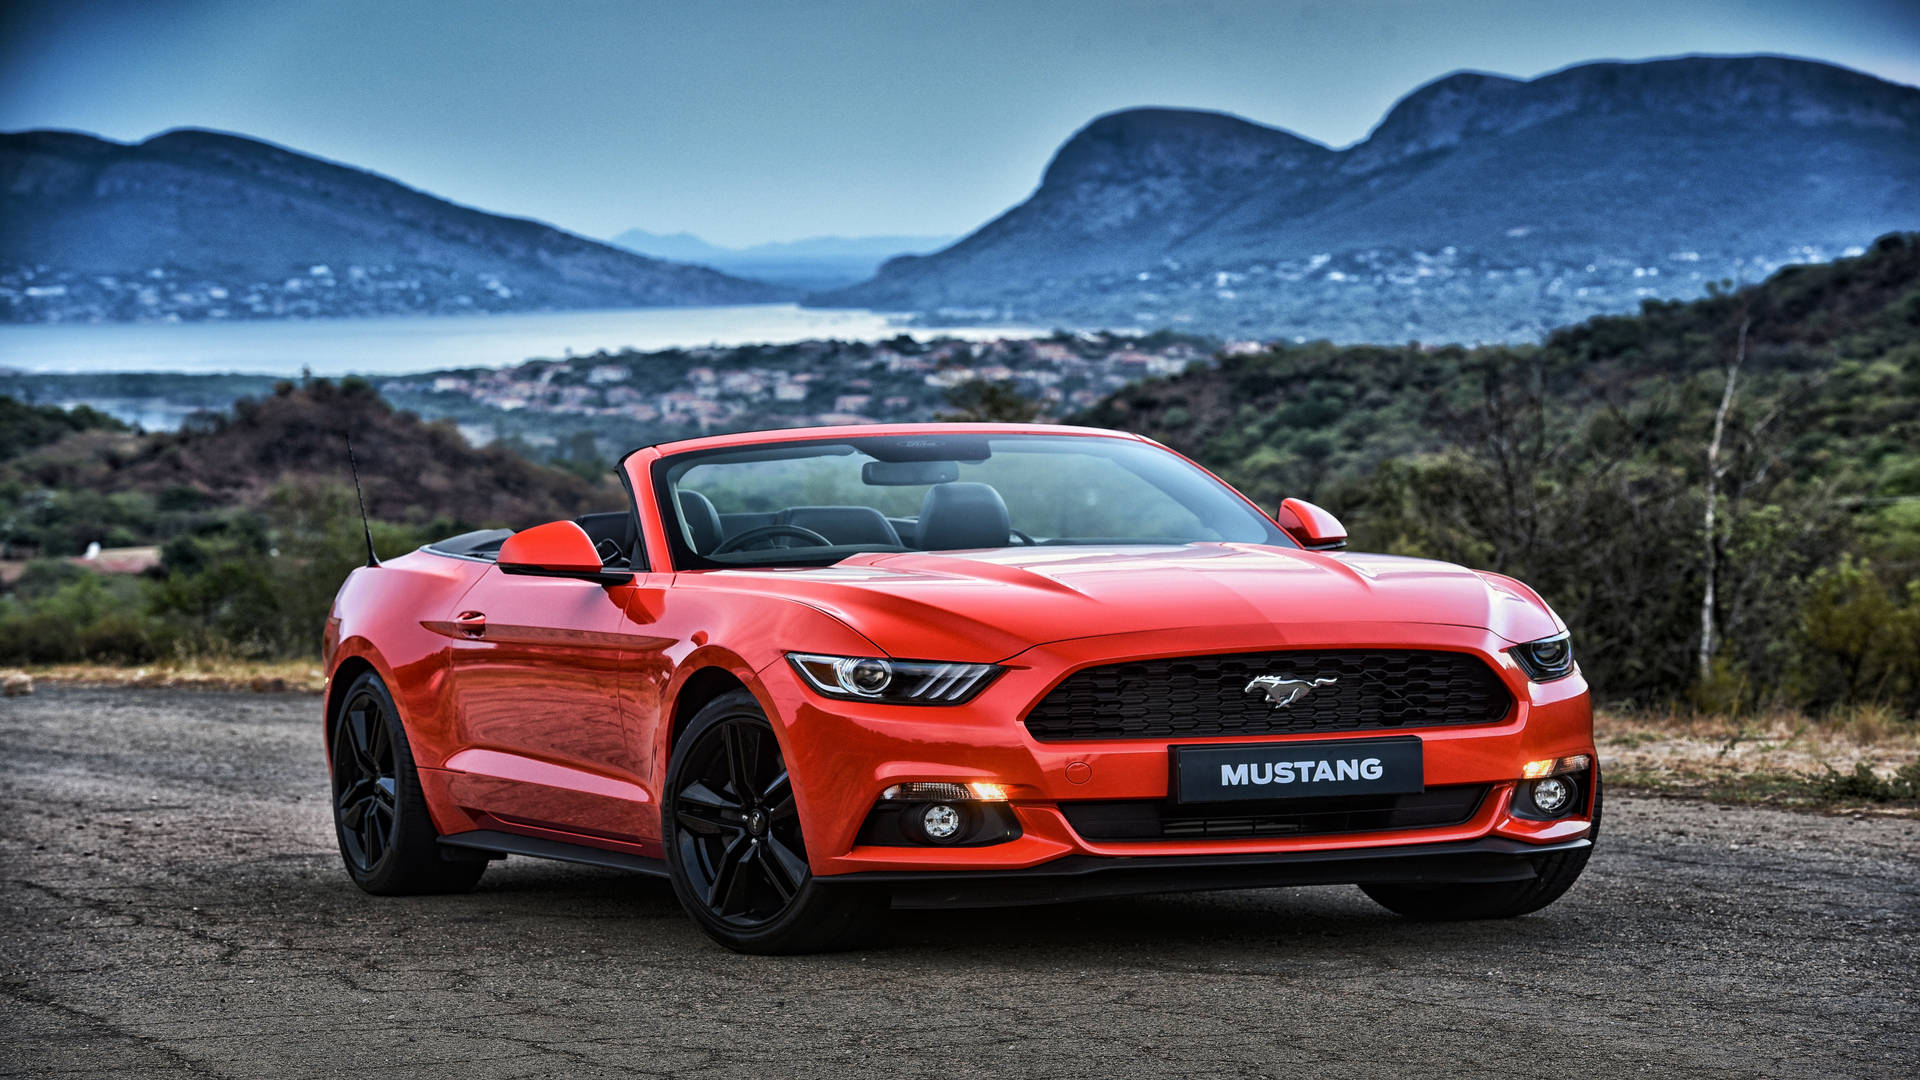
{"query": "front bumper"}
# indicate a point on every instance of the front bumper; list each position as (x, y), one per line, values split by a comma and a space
(1488, 860)
(844, 754)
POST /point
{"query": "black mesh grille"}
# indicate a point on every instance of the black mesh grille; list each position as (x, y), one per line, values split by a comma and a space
(1186, 696)
(1156, 819)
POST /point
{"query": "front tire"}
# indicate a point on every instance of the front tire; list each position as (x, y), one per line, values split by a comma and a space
(734, 847)
(1555, 874)
(380, 814)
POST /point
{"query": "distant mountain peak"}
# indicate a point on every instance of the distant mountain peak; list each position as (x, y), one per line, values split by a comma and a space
(810, 263)
(197, 137)
(1156, 141)
(1784, 89)
(201, 224)
(679, 245)
(1483, 207)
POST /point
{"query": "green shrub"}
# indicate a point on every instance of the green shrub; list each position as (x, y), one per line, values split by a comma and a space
(1863, 784)
(1860, 640)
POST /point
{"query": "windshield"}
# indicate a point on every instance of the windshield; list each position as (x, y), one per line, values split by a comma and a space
(815, 503)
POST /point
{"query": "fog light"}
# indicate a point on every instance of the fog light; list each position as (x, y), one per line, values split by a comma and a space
(940, 822)
(1552, 795)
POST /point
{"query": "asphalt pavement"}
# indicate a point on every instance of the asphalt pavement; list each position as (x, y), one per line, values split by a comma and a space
(173, 904)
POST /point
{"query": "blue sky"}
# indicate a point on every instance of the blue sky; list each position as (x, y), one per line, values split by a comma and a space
(753, 121)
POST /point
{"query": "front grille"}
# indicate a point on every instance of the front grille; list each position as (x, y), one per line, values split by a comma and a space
(1190, 696)
(1160, 819)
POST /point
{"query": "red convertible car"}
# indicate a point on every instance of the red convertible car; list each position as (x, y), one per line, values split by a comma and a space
(811, 674)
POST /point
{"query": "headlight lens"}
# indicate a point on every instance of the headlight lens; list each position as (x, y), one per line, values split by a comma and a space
(1547, 659)
(894, 682)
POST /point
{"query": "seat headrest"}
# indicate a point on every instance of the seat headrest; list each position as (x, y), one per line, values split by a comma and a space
(957, 516)
(702, 521)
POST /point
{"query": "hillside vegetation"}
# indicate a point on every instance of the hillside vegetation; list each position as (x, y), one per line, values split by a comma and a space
(1581, 466)
(254, 512)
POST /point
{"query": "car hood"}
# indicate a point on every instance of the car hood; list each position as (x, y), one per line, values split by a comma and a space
(990, 605)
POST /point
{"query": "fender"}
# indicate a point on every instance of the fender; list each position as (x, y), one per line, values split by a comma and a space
(819, 631)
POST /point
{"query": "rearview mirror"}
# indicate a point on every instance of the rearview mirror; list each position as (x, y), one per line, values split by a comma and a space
(1311, 527)
(909, 473)
(556, 549)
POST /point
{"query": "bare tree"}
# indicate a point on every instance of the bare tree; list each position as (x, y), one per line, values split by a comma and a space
(1710, 539)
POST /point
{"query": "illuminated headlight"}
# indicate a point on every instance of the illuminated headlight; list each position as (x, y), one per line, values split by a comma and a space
(942, 791)
(1551, 787)
(941, 812)
(1547, 659)
(895, 682)
(1555, 766)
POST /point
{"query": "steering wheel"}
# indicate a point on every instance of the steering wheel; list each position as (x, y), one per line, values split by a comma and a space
(767, 532)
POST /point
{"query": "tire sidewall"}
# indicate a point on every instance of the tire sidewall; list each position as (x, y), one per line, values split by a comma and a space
(1554, 875)
(793, 923)
(413, 834)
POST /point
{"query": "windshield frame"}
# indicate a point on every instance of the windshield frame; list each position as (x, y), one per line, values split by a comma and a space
(685, 558)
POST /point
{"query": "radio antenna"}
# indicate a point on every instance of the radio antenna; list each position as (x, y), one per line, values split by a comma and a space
(365, 527)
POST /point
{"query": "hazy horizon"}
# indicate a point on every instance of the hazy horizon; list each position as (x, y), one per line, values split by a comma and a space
(776, 123)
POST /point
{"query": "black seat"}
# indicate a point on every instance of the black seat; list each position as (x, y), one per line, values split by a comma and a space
(845, 524)
(702, 521)
(732, 525)
(612, 530)
(957, 516)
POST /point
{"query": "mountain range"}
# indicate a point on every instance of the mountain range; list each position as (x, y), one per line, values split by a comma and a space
(1481, 207)
(816, 262)
(197, 224)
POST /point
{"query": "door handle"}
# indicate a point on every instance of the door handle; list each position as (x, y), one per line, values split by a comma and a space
(472, 623)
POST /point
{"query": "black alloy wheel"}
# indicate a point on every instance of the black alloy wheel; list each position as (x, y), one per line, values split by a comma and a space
(365, 788)
(380, 814)
(739, 832)
(734, 846)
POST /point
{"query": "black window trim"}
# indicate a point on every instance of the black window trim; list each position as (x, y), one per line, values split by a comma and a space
(686, 559)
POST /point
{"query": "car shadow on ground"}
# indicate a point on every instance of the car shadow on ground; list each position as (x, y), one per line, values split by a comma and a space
(1320, 919)
(1313, 920)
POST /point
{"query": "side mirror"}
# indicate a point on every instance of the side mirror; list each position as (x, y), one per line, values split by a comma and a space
(1311, 527)
(556, 549)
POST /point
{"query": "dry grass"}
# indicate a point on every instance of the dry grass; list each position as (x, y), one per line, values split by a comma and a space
(255, 675)
(1778, 757)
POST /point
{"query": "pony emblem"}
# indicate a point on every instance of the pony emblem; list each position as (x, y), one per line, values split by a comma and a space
(1283, 691)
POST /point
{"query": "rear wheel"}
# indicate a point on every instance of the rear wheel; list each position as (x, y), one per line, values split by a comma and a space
(734, 844)
(1554, 875)
(380, 814)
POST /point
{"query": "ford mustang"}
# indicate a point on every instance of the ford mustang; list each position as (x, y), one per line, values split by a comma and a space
(809, 675)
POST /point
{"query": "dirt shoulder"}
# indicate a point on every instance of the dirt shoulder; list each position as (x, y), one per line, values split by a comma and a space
(1864, 764)
(282, 676)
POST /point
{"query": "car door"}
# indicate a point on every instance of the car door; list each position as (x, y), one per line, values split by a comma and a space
(535, 672)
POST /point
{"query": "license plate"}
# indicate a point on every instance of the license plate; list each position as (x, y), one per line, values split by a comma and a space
(1388, 766)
